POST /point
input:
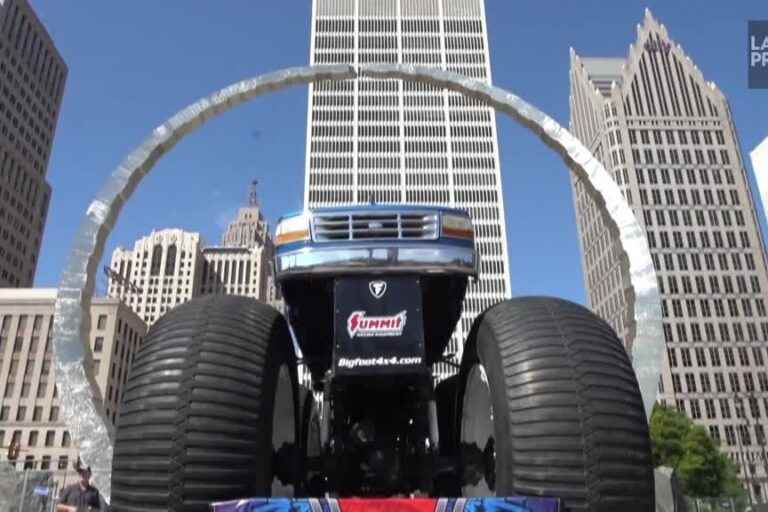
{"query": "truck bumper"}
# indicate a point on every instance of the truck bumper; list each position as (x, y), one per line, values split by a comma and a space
(428, 258)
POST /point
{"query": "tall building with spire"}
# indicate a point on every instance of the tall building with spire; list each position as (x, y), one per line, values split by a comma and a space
(247, 239)
(33, 77)
(390, 141)
(249, 228)
(668, 138)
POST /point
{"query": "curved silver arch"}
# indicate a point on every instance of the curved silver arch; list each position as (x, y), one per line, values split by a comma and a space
(80, 397)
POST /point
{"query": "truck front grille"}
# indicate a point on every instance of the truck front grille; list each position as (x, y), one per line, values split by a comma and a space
(329, 227)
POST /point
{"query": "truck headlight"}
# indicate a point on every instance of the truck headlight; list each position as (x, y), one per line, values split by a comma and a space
(292, 229)
(457, 226)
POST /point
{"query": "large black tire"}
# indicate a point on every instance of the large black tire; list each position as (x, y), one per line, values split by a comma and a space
(197, 417)
(568, 418)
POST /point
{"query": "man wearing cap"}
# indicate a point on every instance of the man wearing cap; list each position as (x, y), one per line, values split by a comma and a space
(80, 496)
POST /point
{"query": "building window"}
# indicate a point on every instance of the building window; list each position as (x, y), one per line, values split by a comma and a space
(695, 409)
(690, 382)
(157, 254)
(32, 441)
(170, 260)
(676, 383)
(734, 381)
(63, 462)
(671, 353)
(37, 413)
(66, 440)
(54, 414)
(729, 359)
(709, 405)
(45, 464)
(746, 439)
(762, 379)
(50, 437)
(101, 324)
(98, 344)
(725, 409)
(21, 413)
(719, 383)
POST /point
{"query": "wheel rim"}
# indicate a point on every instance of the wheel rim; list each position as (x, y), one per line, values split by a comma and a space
(478, 454)
(283, 429)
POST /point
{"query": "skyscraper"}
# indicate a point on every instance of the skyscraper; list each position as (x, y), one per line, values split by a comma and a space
(32, 85)
(389, 141)
(667, 136)
(249, 228)
(247, 236)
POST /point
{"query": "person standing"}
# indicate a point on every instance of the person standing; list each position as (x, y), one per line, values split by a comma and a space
(80, 496)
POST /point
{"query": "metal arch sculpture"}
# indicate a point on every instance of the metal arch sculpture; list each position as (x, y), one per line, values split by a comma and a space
(81, 401)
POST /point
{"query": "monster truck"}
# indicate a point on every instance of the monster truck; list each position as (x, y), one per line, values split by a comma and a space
(544, 400)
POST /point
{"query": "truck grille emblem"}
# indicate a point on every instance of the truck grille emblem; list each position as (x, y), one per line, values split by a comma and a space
(377, 288)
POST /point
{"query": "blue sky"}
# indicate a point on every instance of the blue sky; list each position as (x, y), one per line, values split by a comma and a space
(133, 64)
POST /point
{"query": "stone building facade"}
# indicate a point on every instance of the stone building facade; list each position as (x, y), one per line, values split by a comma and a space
(29, 403)
(160, 272)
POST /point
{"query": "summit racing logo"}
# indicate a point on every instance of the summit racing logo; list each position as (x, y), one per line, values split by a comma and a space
(358, 324)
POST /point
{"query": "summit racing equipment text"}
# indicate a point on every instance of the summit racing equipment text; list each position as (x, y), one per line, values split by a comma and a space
(358, 324)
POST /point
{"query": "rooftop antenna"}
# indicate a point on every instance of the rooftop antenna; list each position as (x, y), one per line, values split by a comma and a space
(253, 199)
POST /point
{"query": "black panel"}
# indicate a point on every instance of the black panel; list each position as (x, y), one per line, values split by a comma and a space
(378, 326)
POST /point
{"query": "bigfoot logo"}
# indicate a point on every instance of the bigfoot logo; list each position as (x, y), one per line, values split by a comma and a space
(373, 326)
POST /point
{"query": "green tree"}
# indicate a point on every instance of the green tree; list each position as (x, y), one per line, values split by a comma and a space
(731, 484)
(702, 469)
(668, 429)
